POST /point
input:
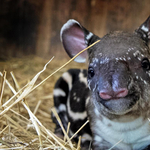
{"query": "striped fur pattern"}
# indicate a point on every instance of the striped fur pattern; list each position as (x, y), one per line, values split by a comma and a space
(70, 96)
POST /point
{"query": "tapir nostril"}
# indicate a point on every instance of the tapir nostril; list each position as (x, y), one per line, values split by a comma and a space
(119, 93)
(122, 92)
(105, 95)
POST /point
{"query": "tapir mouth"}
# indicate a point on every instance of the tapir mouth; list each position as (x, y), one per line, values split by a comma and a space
(120, 105)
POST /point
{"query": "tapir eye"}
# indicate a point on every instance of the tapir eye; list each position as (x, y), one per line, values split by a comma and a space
(146, 64)
(90, 73)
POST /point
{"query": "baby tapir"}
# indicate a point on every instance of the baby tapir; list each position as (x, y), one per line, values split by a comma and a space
(114, 92)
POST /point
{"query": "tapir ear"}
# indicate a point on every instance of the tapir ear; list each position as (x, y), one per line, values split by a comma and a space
(144, 30)
(75, 38)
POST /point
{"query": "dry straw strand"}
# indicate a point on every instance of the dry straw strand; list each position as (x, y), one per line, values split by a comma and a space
(26, 91)
(60, 123)
(3, 129)
(78, 131)
(115, 145)
(65, 64)
(2, 87)
(79, 143)
(68, 127)
(34, 123)
(15, 81)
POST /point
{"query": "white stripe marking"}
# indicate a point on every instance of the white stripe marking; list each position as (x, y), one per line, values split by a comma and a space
(68, 78)
(86, 137)
(144, 28)
(89, 36)
(62, 107)
(82, 78)
(59, 92)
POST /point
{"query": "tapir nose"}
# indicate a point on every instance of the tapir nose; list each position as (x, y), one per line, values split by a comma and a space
(110, 94)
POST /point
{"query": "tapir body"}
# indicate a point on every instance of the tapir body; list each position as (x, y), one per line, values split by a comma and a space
(114, 93)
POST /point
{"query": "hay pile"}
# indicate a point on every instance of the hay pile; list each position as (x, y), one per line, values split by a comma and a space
(25, 104)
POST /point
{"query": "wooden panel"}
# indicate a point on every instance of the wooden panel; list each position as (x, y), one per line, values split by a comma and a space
(42, 35)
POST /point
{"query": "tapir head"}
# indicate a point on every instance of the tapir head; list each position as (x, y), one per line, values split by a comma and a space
(118, 65)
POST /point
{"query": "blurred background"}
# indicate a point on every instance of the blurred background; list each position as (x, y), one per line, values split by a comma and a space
(31, 27)
(29, 37)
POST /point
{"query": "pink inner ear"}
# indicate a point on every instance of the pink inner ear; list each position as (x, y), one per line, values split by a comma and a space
(73, 41)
